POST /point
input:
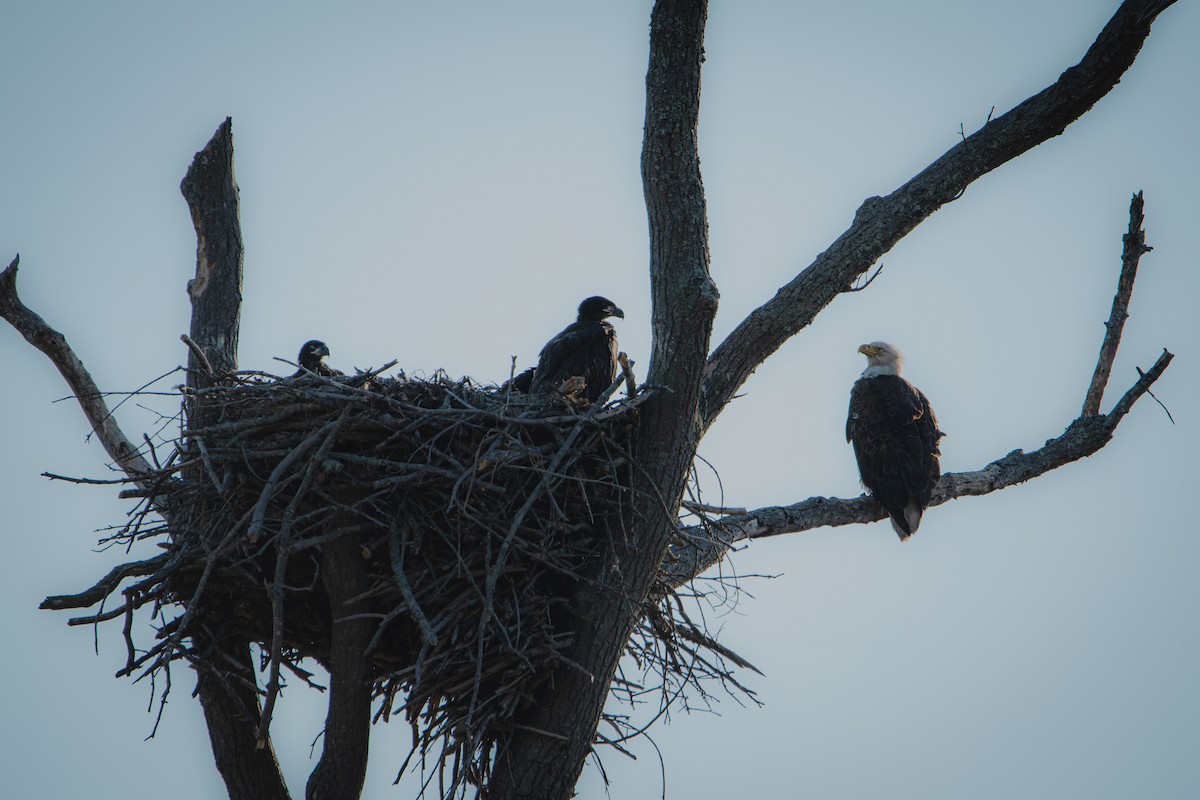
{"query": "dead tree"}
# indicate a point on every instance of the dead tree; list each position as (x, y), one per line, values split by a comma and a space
(630, 462)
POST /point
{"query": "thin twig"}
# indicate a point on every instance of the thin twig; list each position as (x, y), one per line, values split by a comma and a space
(1134, 247)
(414, 608)
(868, 281)
(198, 353)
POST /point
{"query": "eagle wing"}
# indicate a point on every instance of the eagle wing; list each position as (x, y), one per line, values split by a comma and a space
(587, 349)
(895, 436)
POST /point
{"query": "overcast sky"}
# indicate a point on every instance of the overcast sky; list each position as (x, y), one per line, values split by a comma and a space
(442, 183)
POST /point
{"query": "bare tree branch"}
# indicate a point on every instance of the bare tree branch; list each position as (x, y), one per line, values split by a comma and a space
(882, 221)
(105, 586)
(706, 545)
(35, 330)
(1145, 381)
(200, 358)
(1134, 247)
(682, 290)
(230, 706)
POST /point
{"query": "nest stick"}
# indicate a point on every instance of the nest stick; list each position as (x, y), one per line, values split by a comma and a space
(330, 431)
(414, 607)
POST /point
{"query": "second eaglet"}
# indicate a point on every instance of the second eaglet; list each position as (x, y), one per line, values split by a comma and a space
(587, 348)
(312, 359)
(895, 436)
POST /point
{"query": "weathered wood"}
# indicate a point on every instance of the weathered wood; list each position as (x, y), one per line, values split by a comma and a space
(231, 711)
(216, 291)
(120, 449)
(1133, 248)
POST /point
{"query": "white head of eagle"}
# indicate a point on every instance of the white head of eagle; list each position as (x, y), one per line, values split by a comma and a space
(895, 436)
(883, 358)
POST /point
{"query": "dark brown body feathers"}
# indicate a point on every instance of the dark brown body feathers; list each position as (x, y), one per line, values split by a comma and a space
(586, 348)
(895, 436)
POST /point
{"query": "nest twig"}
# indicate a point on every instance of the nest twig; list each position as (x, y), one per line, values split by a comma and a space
(478, 513)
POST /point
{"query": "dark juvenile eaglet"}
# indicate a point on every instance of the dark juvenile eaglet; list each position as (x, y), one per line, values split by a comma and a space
(895, 436)
(312, 359)
(587, 348)
(521, 382)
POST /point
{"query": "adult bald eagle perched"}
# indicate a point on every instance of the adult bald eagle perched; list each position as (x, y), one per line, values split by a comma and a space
(311, 359)
(895, 435)
(586, 348)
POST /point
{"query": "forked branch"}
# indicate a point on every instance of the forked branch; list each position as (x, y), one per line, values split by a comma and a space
(704, 545)
(1134, 247)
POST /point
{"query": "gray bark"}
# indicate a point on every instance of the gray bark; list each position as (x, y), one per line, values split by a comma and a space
(216, 291)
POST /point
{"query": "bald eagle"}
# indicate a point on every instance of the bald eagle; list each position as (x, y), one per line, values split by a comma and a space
(311, 359)
(587, 348)
(895, 436)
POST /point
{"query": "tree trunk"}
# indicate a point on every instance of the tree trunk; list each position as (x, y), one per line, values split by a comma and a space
(216, 291)
(340, 773)
(231, 712)
(231, 708)
(544, 757)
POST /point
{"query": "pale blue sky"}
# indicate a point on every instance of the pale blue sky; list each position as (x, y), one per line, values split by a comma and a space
(442, 183)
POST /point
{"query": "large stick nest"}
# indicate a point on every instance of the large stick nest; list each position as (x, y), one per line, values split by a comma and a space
(476, 515)
(456, 498)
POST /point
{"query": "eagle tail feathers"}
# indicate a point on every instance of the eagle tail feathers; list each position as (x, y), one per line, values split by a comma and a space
(905, 521)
